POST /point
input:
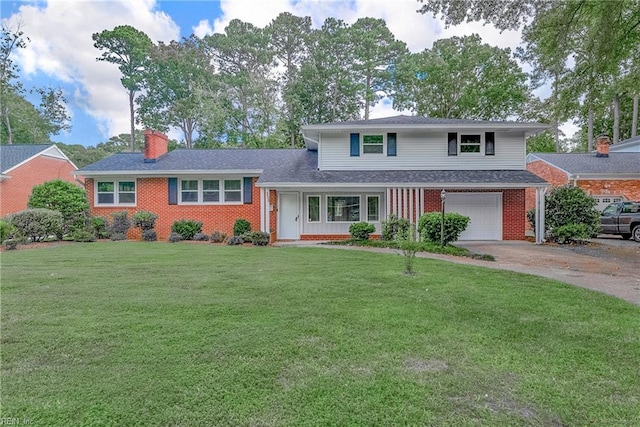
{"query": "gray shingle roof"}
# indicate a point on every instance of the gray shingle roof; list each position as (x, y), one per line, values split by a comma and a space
(588, 163)
(12, 155)
(303, 170)
(193, 160)
(413, 120)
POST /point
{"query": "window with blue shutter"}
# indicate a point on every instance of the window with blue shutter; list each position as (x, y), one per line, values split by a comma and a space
(173, 191)
(355, 144)
(247, 186)
(391, 144)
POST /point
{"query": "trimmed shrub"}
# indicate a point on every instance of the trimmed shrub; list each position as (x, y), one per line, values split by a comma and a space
(11, 244)
(361, 230)
(175, 237)
(64, 197)
(567, 207)
(430, 224)
(570, 233)
(6, 229)
(83, 235)
(149, 235)
(187, 228)
(241, 226)
(37, 224)
(217, 237)
(100, 227)
(235, 240)
(120, 224)
(144, 220)
(393, 225)
(117, 236)
(200, 237)
(247, 237)
(260, 238)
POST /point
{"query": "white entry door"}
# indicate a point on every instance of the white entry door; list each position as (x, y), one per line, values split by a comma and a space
(484, 210)
(288, 216)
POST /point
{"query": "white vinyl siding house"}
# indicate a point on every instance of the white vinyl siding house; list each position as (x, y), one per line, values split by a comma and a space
(420, 151)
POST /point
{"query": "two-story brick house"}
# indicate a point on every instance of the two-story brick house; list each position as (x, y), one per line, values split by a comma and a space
(349, 172)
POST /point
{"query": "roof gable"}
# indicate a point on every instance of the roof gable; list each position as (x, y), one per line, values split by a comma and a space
(12, 156)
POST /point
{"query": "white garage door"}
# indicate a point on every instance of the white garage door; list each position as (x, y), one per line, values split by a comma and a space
(485, 211)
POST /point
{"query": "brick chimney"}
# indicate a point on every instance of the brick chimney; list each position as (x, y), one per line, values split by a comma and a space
(155, 145)
(602, 146)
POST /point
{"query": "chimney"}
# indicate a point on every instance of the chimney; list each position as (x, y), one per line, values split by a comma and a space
(155, 145)
(602, 146)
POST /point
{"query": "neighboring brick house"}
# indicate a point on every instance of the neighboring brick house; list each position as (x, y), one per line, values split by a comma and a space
(349, 171)
(27, 165)
(605, 175)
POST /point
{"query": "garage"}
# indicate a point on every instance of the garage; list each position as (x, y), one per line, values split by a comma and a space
(485, 211)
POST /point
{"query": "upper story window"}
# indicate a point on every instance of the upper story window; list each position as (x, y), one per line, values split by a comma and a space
(115, 192)
(210, 191)
(372, 144)
(471, 143)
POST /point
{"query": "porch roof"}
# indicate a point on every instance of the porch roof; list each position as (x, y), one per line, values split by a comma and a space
(302, 171)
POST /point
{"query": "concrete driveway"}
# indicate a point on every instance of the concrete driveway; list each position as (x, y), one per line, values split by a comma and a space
(607, 264)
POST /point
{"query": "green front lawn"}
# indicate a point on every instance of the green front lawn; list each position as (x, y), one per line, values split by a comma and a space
(126, 333)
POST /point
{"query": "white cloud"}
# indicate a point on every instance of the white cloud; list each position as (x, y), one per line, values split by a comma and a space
(61, 47)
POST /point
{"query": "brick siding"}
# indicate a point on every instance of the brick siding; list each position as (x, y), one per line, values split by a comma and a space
(153, 196)
(15, 191)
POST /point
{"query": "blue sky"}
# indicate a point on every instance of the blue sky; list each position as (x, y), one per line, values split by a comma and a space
(61, 52)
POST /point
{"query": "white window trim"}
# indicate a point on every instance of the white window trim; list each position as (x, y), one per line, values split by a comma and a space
(116, 193)
(343, 195)
(479, 153)
(319, 209)
(384, 144)
(221, 190)
(366, 198)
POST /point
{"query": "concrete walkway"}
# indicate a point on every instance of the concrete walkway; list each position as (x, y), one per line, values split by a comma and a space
(598, 273)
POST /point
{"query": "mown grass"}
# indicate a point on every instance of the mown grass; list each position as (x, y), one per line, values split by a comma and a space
(127, 333)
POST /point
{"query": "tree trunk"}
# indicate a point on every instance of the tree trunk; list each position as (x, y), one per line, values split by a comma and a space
(7, 122)
(616, 119)
(366, 97)
(556, 125)
(132, 116)
(634, 122)
(590, 130)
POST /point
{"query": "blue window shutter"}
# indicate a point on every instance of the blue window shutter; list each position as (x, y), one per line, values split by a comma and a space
(452, 143)
(173, 191)
(355, 144)
(391, 144)
(247, 187)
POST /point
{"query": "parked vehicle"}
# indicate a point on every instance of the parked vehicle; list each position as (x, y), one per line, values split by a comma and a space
(622, 218)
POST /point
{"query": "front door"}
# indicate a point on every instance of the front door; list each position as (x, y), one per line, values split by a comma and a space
(288, 216)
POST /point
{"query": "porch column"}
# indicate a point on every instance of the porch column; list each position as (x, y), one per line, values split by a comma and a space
(264, 209)
(540, 193)
(388, 202)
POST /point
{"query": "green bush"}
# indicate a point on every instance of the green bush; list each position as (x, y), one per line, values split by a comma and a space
(100, 227)
(361, 230)
(64, 197)
(149, 235)
(83, 235)
(175, 237)
(241, 226)
(235, 240)
(6, 229)
(392, 226)
(120, 224)
(11, 244)
(144, 220)
(430, 224)
(187, 228)
(570, 233)
(200, 237)
(570, 206)
(260, 238)
(37, 224)
(217, 237)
